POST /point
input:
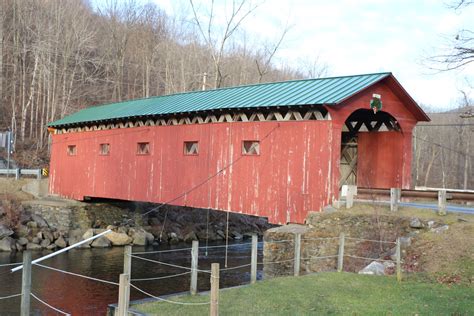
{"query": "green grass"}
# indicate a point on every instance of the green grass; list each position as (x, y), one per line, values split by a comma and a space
(330, 294)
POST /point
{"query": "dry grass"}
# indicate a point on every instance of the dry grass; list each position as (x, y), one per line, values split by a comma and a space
(11, 189)
(446, 257)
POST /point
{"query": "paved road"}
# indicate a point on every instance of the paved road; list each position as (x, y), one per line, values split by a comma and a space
(449, 207)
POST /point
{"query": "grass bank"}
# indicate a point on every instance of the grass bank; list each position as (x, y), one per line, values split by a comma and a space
(330, 294)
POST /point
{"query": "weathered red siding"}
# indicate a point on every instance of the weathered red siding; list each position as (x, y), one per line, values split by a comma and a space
(297, 170)
(380, 160)
(392, 157)
(291, 176)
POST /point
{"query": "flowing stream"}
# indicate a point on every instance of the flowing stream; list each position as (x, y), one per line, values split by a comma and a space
(80, 296)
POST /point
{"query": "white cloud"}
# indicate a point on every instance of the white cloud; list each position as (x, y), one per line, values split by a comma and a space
(366, 36)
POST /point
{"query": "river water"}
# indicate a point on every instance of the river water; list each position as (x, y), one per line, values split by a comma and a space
(80, 296)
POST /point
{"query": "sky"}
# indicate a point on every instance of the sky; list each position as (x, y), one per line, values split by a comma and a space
(363, 36)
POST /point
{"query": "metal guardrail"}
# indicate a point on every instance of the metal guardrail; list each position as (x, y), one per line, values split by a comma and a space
(19, 172)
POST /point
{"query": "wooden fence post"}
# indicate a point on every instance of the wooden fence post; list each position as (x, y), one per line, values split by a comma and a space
(26, 284)
(253, 261)
(17, 173)
(123, 299)
(351, 192)
(399, 261)
(395, 194)
(194, 267)
(297, 254)
(214, 310)
(127, 269)
(442, 202)
(340, 255)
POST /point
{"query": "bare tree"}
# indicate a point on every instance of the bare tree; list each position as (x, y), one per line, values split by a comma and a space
(217, 42)
(460, 50)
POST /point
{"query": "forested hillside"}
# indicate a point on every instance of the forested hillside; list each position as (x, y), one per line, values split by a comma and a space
(60, 56)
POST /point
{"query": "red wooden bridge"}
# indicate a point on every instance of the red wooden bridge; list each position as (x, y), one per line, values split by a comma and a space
(277, 150)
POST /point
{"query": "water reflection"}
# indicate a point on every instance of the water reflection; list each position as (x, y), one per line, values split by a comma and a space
(80, 296)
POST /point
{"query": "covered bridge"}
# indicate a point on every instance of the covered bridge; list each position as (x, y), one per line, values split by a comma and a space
(277, 150)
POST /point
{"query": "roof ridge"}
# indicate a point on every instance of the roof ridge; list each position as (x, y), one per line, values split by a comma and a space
(236, 87)
(327, 90)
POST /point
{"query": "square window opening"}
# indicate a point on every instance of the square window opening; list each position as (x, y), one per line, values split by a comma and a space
(71, 150)
(191, 148)
(104, 149)
(251, 147)
(143, 148)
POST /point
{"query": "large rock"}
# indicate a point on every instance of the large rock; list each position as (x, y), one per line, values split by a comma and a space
(88, 234)
(7, 244)
(75, 236)
(139, 239)
(236, 235)
(60, 242)
(18, 247)
(173, 238)
(405, 242)
(140, 236)
(118, 239)
(32, 246)
(39, 220)
(149, 238)
(22, 231)
(416, 223)
(47, 234)
(51, 247)
(101, 242)
(45, 243)
(440, 229)
(374, 268)
(189, 237)
(23, 241)
(5, 231)
(32, 224)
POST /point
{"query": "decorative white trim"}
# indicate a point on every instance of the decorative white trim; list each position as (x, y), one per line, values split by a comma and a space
(281, 116)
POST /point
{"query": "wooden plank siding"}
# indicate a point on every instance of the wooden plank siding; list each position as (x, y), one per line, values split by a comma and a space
(296, 170)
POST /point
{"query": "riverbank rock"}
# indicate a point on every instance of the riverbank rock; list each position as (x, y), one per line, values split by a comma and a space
(7, 244)
(32, 246)
(22, 231)
(45, 243)
(101, 242)
(118, 239)
(173, 239)
(236, 235)
(39, 221)
(139, 236)
(189, 237)
(51, 247)
(5, 231)
(60, 242)
(22, 241)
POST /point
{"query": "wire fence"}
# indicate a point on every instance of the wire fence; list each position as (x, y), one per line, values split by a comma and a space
(308, 251)
(50, 306)
(301, 245)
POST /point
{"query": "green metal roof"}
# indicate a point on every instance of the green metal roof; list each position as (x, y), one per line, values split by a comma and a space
(287, 93)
